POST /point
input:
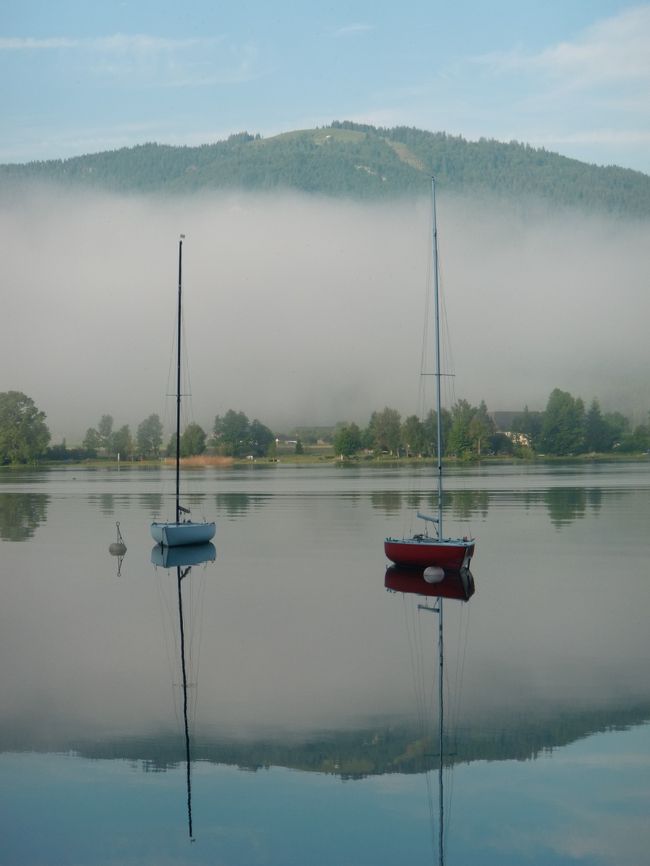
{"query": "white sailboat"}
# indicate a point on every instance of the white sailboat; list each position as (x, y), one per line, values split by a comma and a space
(182, 530)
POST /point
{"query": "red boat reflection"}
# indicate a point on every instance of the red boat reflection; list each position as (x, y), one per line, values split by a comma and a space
(451, 584)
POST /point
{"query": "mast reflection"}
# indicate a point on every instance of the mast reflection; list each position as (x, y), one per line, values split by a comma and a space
(182, 559)
(434, 585)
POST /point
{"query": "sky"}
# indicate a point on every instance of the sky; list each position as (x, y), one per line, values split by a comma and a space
(572, 76)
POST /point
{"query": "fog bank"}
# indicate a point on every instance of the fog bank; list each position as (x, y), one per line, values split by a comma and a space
(309, 310)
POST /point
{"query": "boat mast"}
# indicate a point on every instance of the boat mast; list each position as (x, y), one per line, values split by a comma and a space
(437, 373)
(178, 381)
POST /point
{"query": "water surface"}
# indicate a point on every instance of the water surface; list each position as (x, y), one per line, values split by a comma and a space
(313, 690)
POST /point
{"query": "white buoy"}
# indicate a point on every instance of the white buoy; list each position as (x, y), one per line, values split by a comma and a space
(433, 574)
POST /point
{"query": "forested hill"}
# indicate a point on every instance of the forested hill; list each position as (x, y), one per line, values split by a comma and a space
(352, 160)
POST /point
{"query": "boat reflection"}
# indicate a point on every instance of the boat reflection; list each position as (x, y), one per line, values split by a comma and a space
(431, 583)
(182, 559)
(189, 555)
(456, 584)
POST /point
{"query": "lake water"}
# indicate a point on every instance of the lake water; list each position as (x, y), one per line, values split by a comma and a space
(312, 689)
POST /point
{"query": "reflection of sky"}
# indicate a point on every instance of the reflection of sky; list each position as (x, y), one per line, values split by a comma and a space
(585, 803)
(296, 630)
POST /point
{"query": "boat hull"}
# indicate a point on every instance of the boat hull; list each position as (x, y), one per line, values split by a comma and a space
(420, 551)
(181, 534)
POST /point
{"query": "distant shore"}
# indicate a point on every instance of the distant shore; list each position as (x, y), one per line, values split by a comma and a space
(219, 462)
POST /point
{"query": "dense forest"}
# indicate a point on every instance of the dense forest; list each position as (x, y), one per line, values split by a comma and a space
(566, 428)
(351, 160)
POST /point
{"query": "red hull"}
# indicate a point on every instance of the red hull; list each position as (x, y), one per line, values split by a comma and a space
(420, 552)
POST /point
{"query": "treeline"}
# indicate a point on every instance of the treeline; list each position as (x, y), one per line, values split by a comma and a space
(565, 428)
(351, 160)
(232, 436)
(24, 437)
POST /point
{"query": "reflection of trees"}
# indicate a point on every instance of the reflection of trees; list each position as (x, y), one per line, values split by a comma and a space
(151, 502)
(467, 503)
(388, 501)
(395, 748)
(106, 502)
(20, 514)
(595, 499)
(237, 504)
(462, 504)
(565, 504)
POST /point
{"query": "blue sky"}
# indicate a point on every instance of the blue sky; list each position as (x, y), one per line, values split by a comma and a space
(569, 75)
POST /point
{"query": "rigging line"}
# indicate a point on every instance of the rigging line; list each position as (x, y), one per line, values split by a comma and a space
(424, 686)
(188, 405)
(427, 681)
(452, 682)
(449, 365)
(198, 615)
(430, 803)
(428, 770)
(416, 671)
(465, 616)
(168, 627)
(462, 640)
(426, 324)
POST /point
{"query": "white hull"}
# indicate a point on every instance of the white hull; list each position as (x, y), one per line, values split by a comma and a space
(180, 534)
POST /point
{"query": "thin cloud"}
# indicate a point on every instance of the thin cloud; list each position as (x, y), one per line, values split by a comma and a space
(153, 60)
(118, 42)
(28, 43)
(612, 50)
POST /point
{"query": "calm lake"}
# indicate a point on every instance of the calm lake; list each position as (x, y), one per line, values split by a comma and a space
(312, 690)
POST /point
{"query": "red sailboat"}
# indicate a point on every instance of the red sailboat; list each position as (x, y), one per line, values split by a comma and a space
(422, 550)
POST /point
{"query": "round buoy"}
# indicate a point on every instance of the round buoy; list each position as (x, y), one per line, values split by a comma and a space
(117, 548)
(433, 574)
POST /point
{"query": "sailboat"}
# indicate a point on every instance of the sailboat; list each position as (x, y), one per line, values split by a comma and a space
(182, 530)
(423, 550)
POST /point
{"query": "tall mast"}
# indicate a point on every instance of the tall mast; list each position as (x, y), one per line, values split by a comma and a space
(178, 381)
(438, 373)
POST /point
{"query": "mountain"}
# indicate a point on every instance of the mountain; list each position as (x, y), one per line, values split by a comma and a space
(351, 160)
